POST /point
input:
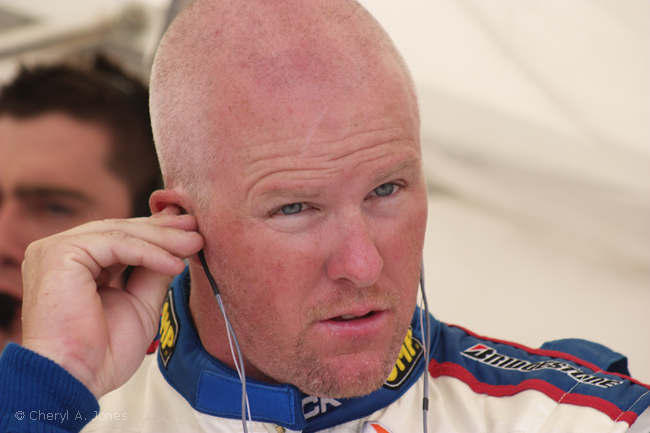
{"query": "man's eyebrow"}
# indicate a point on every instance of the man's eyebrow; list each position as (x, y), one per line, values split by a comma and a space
(411, 163)
(289, 194)
(43, 192)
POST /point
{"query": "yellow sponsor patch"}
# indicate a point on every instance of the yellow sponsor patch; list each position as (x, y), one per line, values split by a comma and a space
(408, 357)
(169, 327)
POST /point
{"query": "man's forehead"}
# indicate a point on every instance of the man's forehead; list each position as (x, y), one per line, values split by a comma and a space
(296, 117)
(302, 185)
(51, 154)
(370, 158)
(274, 83)
(56, 133)
(319, 138)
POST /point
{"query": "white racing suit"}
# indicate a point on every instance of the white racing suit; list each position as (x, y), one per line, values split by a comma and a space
(475, 385)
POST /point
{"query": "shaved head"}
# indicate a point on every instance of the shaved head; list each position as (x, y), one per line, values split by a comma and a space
(228, 70)
(290, 129)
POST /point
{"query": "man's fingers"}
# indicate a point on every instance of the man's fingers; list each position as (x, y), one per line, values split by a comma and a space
(138, 226)
(156, 230)
(150, 289)
(70, 306)
(158, 249)
(163, 255)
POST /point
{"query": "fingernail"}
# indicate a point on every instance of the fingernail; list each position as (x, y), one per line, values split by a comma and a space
(171, 210)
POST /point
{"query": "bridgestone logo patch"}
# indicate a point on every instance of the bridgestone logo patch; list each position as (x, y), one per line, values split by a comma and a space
(487, 355)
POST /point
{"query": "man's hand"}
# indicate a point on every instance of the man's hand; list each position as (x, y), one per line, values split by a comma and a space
(73, 316)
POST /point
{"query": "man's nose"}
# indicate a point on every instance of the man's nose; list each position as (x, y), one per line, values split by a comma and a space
(354, 256)
(10, 233)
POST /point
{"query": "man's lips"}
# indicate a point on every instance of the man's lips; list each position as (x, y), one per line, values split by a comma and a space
(355, 313)
(9, 307)
(355, 324)
(347, 317)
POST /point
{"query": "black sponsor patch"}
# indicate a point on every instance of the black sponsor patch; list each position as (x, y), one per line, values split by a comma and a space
(169, 327)
(407, 359)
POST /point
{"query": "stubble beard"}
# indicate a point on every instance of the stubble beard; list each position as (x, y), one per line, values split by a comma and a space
(324, 376)
(320, 378)
(298, 363)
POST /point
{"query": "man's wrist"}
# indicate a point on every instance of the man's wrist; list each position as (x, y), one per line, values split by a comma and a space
(36, 391)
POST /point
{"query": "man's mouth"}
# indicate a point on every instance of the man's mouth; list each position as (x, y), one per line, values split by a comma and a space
(348, 317)
(9, 305)
(357, 325)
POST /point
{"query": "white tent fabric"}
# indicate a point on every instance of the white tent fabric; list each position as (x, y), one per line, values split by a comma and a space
(536, 140)
(536, 143)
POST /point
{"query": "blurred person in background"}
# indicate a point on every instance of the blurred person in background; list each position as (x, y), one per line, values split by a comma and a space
(75, 146)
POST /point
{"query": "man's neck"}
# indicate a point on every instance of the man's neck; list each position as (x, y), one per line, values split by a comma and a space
(210, 324)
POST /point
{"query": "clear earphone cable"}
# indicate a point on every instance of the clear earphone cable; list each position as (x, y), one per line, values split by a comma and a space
(426, 337)
(245, 406)
(239, 365)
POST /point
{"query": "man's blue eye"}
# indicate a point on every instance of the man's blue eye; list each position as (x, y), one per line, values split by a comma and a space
(291, 209)
(385, 189)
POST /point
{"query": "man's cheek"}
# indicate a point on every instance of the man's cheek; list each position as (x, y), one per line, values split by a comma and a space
(288, 268)
(401, 244)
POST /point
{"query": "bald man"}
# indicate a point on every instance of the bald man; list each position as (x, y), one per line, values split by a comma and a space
(288, 135)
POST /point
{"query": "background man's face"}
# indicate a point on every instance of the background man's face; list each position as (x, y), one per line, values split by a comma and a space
(53, 176)
(315, 236)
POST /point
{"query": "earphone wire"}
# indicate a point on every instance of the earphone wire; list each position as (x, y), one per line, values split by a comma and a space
(242, 374)
(426, 337)
(245, 406)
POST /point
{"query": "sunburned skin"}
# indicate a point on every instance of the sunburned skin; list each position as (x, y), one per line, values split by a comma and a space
(303, 128)
(322, 209)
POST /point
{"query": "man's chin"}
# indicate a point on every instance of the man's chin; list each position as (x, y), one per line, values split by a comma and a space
(345, 378)
(348, 388)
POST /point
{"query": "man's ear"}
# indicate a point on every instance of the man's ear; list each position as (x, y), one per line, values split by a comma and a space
(163, 198)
